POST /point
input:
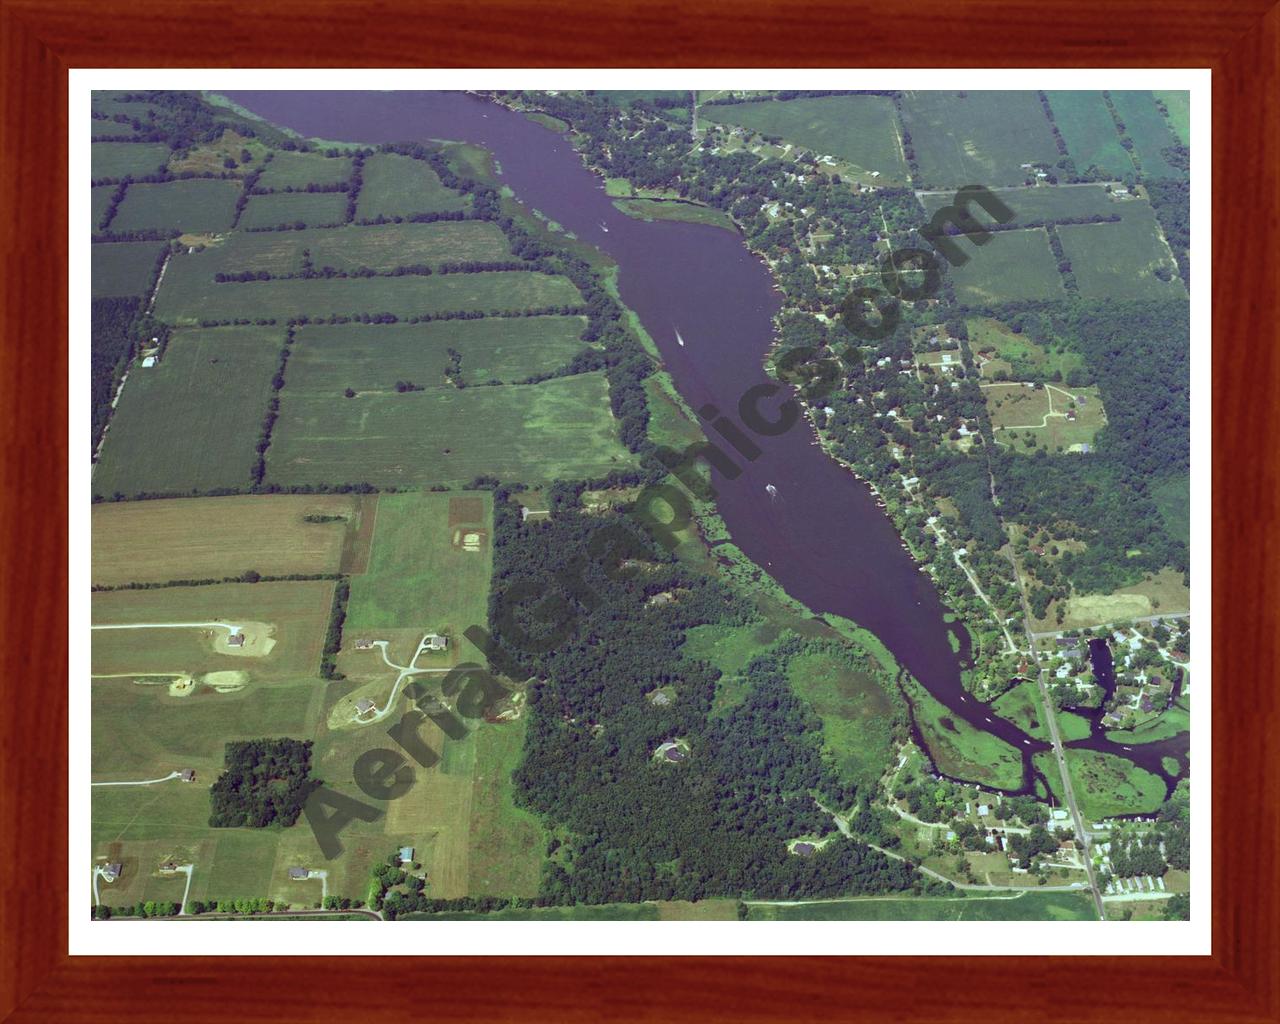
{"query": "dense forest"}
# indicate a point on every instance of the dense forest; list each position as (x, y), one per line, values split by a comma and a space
(603, 622)
(112, 346)
(264, 782)
(1139, 354)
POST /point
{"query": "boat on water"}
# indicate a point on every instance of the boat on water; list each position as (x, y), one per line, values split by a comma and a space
(772, 491)
(604, 227)
(679, 340)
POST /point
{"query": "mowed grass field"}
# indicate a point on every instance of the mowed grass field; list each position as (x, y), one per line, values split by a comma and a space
(1013, 266)
(141, 732)
(373, 357)
(1105, 785)
(459, 815)
(1042, 415)
(314, 209)
(126, 159)
(191, 421)
(1149, 130)
(400, 186)
(561, 428)
(860, 129)
(1024, 906)
(977, 138)
(190, 205)
(212, 538)
(298, 611)
(189, 303)
(1167, 587)
(857, 715)
(419, 576)
(298, 170)
(123, 268)
(1089, 132)
(1120, 260)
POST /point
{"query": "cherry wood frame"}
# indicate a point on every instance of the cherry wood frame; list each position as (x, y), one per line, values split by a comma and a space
(41, 39)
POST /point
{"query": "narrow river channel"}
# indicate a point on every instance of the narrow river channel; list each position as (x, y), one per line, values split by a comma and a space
(819, 533)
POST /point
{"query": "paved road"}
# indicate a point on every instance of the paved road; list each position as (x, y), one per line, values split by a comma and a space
(230, 627)
(144, 782)
(1118, 622)
(1048, 710)
(371, 915)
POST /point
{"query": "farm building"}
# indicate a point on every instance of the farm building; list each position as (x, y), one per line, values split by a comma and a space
(148, 362)
(168, 868)
(436, 642)
(297, 874)
(406, 855)
(188, 775)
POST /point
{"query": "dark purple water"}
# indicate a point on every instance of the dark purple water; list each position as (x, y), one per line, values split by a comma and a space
(822, 537)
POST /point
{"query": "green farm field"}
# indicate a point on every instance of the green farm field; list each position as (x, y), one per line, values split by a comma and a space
(1178, 104)
(1014, 266)
(1150, 132)
(860, 129)
(213, 538)
(1024, 906)
(977, 138)
(400, 186)
(187, 301)
(123, 268)
(1089, 132)
(1104, 785)
(314, 209)
(298, 170)
(857, 716)
(1122, 260)
(192, 420)
(351, 247)
(373, 357)
(561, 428)
(190, 205)
(296, 614)
(114, 160)
(1040, 203)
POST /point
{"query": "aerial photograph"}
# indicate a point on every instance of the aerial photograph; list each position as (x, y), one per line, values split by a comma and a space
(670, 505)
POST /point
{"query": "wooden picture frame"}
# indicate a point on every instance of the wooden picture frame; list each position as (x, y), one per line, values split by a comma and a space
(42, 39)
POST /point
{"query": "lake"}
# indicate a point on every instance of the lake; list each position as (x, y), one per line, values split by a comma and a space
(818, 531)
